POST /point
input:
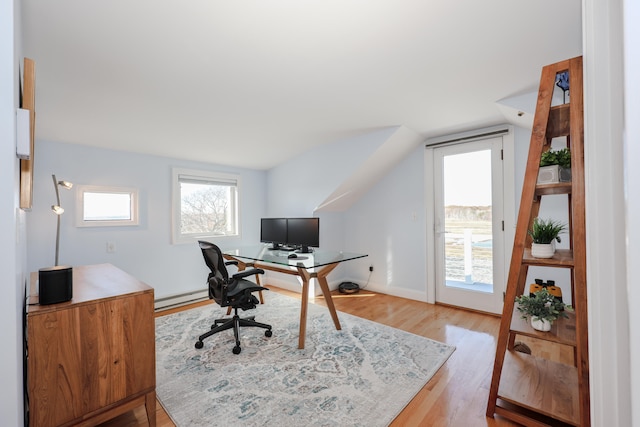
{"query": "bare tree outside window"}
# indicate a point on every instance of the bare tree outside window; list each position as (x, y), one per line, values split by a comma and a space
(204, 205)
(205, 208)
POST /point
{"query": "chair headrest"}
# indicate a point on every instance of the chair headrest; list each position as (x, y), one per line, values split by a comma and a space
(205, 245)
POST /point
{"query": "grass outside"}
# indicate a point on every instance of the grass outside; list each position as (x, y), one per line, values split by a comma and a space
(481, 249)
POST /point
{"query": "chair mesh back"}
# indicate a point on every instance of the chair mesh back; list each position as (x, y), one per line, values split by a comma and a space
(214, 260)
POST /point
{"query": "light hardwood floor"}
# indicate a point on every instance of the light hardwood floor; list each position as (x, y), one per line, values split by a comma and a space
(456, 395)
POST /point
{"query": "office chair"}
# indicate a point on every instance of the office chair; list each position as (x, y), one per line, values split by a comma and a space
(234, 292)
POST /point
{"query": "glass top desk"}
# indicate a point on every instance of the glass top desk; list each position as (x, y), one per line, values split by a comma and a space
(306, 266)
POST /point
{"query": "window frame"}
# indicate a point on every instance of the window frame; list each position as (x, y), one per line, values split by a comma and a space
(133, 206)
(179, 174)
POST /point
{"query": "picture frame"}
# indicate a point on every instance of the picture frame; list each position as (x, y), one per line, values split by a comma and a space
(28, 102)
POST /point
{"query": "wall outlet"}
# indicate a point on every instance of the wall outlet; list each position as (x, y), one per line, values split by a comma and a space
(111, 247)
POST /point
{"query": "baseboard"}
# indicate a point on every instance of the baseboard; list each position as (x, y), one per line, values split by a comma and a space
(398, 292)
(180, 299)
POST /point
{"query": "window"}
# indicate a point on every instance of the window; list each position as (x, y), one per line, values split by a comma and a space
(205, 204)
(106, 206)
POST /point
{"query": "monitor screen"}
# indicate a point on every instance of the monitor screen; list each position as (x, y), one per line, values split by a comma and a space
(303, 232)
(273, 230)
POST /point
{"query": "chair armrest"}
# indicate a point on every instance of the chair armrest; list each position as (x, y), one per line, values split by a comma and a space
(247, 273)
(231, 263)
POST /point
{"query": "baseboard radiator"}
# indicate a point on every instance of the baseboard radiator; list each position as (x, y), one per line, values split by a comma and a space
(180, 299)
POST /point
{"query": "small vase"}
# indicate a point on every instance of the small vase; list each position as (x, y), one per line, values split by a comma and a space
(540, 324)
(543, 250)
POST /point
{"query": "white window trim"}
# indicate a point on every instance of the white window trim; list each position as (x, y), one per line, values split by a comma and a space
(176, 173)
(82, 189)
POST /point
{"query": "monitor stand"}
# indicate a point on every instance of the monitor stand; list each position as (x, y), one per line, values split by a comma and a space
(305, 249)
(279, 247)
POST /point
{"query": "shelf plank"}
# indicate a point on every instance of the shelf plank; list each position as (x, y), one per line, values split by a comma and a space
(546, 387)
(562, 258)
(555, 188)
(521, 416)
(563, 330)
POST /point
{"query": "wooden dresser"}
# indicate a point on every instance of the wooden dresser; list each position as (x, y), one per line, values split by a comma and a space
(92, 358)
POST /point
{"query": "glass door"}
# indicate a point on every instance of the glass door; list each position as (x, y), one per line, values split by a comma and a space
(468, 225)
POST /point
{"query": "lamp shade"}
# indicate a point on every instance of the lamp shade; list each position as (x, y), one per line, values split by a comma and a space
(65, 184)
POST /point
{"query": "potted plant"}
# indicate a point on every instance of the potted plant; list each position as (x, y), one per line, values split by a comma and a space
(544, 234)
(542, 309)
(555, 166)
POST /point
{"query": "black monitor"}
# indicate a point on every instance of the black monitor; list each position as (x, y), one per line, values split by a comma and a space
(303, 232)
(274, 231)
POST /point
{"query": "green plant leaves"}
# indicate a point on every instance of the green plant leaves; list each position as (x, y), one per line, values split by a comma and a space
(545, 231)
(560, 157)
(542, 305)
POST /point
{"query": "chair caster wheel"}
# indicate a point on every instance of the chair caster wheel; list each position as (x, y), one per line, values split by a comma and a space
(199, 344)
(268, 333)
(236, 350)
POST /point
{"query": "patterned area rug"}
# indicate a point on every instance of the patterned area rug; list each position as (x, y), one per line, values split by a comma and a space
(363, 375)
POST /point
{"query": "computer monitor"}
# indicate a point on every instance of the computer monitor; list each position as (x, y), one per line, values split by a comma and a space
(303, 232)
(274, 231)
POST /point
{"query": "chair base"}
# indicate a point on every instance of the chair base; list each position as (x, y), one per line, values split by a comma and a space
(234, 323)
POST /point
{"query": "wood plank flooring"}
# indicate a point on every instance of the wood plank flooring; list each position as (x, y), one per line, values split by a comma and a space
(456, 395)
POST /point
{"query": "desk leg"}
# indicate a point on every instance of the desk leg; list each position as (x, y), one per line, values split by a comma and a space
(304, 304)
(322, 281)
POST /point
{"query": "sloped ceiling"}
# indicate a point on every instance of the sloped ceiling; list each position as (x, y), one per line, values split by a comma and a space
(254, 83)
(373, 167)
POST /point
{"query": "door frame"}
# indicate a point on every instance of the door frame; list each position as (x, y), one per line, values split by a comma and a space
(508, 196)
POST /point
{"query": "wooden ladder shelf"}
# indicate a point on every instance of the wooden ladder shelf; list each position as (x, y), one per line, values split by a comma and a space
(525, 388)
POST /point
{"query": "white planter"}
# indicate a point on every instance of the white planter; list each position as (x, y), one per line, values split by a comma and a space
(540, 324)
(553, 174)
(549, 174)
(543, 250)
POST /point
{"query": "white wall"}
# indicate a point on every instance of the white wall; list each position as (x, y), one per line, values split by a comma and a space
(388, 223)
(632, 180)
(12, 245)
(609, 300)
(298, 186)
(145, 251)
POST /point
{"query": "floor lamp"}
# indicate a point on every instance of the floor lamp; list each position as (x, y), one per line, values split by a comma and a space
(57, 209)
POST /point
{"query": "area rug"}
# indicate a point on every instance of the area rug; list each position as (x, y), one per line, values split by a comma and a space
(362, 375)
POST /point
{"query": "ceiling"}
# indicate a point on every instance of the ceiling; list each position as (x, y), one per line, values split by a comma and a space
(255, 83)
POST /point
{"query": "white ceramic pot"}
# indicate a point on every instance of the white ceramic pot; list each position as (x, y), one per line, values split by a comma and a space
(543, 250)
(540, 324)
